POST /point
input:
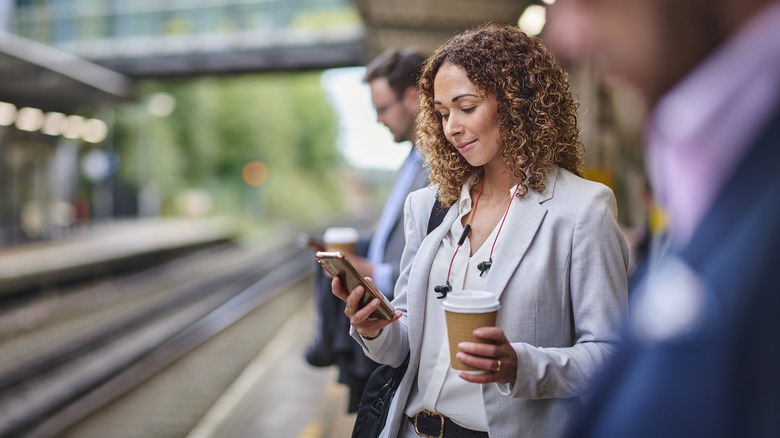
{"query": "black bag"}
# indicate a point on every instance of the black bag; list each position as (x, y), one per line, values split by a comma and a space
(375, 403)
(383, 382)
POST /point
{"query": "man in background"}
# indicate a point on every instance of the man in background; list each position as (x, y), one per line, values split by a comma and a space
(392, 78)
(702, 354)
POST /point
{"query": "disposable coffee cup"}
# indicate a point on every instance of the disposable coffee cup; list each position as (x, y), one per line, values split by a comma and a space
(466, 311)
(342, 239)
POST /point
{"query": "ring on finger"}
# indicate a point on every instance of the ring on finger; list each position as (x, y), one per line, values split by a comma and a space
(498, 367)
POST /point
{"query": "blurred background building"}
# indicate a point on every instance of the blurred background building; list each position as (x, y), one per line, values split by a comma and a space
(102, 103)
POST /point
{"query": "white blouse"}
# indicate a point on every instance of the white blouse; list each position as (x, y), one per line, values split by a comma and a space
(438, 387)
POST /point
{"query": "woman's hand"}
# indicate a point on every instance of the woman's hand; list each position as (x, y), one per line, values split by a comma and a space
(360, 318)
(498, 358)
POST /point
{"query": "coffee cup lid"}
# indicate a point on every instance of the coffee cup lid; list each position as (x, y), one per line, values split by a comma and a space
(471, 301)
(340, 235)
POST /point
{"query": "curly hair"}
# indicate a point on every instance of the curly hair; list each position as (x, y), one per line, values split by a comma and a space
(536, 110)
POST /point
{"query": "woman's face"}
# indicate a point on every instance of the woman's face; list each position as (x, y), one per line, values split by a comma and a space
(469, 120)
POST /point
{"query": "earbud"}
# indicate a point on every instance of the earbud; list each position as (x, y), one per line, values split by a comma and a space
(484, 266)
(443, 290)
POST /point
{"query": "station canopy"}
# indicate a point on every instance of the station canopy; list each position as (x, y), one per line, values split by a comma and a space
(39, 76)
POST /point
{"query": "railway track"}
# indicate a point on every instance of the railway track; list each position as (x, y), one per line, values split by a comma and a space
(77, 361)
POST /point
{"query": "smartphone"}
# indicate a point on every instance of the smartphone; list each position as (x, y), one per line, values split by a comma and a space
(339, 266)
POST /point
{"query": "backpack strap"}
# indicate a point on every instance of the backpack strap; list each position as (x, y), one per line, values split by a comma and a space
(437, 215)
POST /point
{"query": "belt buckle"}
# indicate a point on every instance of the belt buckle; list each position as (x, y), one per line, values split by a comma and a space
(430, 414)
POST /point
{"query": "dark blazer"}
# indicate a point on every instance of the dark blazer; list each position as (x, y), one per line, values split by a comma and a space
(718, 373)
(333, 344)
(394, 246)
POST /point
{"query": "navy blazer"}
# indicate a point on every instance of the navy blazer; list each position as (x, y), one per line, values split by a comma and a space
(718, 376)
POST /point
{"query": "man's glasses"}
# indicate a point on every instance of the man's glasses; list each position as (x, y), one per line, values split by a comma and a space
(381, 109)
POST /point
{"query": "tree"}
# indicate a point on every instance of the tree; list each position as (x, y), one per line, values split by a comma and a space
(219, 125)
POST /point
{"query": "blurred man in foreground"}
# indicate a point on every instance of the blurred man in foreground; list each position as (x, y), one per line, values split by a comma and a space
(702, 358)
(392, 78)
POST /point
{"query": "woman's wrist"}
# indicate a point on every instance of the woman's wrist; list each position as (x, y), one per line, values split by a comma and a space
(370, 335)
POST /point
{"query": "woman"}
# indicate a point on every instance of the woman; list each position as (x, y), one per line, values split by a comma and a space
(499, 129)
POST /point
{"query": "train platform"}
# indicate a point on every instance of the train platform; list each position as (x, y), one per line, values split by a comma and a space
(103, 248)
(280, 395)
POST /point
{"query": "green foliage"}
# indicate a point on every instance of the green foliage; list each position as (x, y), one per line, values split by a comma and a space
(219, 125)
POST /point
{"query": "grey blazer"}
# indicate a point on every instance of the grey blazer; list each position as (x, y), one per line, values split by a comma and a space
(561, 277)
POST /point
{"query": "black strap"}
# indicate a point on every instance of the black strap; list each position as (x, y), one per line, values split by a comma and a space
(437, 215)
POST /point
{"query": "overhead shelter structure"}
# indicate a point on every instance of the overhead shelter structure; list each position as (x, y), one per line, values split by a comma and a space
(36, 75)
(426, 24)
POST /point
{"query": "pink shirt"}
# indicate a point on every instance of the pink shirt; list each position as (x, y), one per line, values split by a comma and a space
(700, 131)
